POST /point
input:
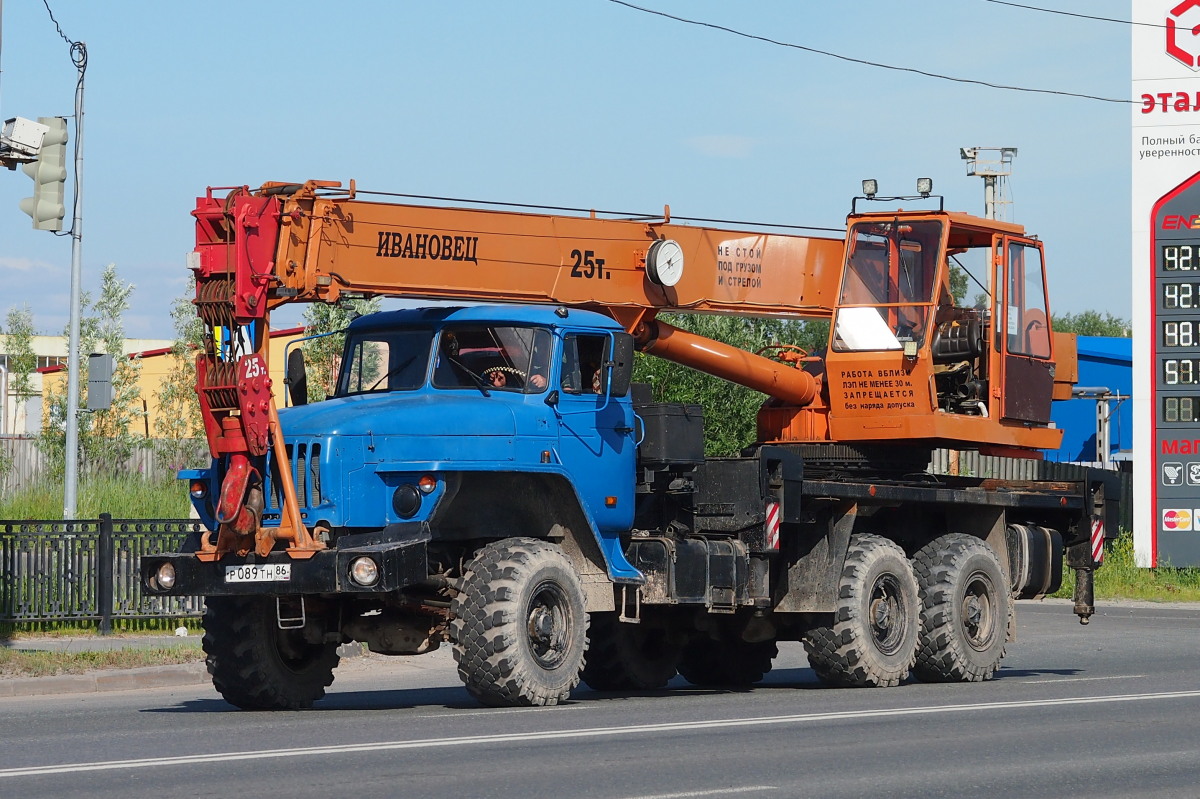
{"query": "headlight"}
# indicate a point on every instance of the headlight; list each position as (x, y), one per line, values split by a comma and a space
(364, 571)
(164, 578)
(199, 489)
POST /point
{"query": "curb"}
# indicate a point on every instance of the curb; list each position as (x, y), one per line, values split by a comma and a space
(101, 680)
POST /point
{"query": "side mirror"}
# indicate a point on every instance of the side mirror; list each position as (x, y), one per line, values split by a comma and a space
(297, 377)
(552, 398)
(622, 365)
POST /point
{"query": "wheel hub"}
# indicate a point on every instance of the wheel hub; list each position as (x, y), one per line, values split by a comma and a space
(886, 615)
(548, 625)
(541, 625)
(977, 612)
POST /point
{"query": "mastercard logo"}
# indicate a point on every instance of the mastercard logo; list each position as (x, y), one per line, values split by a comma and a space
(1176, 519)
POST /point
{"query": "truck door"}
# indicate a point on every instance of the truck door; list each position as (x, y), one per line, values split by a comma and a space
(1027, 354)
(595, 430)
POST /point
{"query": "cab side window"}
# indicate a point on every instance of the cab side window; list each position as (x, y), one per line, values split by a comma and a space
(1027, 322)
(582, 364)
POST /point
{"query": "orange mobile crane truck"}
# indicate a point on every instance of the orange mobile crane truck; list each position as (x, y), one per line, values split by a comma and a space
(486, 475)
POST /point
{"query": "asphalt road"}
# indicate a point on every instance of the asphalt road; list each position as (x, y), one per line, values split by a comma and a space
(1105, 710)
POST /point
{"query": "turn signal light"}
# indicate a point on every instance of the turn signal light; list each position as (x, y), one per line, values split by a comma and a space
(199, 489)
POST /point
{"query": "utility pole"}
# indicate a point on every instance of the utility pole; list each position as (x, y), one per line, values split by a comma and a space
(71, 482)
(994, 165)
(41, 148)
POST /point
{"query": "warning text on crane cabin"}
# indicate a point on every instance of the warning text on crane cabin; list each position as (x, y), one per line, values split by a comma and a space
(877, 390)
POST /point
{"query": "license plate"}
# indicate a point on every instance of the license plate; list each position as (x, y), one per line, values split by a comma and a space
(259, 573)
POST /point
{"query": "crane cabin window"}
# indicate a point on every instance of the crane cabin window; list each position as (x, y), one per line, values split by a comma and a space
(1027, 320)
(385, 360)
(891, 268)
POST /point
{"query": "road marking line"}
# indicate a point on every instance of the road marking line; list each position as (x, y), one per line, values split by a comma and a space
(1084, 679)
(498, 711)
(592, 732)
(713, 792)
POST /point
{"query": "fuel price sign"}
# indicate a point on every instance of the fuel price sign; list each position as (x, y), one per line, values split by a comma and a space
(1175, 356)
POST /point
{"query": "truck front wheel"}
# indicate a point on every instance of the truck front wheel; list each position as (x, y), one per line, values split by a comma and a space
(964, 610)
(257, 666)
(520, 629)
(873, 640)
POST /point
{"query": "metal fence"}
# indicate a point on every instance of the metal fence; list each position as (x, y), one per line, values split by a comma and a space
(87, 570)
(26, 464)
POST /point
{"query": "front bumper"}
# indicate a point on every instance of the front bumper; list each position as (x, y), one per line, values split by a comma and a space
(401, 564)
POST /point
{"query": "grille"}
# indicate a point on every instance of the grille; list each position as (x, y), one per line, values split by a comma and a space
(306, 474)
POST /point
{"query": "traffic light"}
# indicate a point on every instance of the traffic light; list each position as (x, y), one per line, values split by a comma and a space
(49, 173)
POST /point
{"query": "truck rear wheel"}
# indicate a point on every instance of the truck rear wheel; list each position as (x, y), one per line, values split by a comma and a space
(628, 657)
(873, 640)
(520, 629)
(735, 663)
(257, 666)
(964, 610)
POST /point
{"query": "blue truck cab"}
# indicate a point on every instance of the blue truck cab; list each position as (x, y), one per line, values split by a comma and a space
(455, 425)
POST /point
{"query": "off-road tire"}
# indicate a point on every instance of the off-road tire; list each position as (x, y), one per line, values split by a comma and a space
(628, 657)
(519, 628)
(965, 608)
(873, 640)
(257, 666)
(726, 664)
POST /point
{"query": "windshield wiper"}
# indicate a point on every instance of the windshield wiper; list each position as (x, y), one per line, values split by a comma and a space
(395, 371)
(478, 380)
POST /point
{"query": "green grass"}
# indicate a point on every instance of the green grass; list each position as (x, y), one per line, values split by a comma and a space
(17, 663)
(1121, 578)
(11, 631)
(124, 497)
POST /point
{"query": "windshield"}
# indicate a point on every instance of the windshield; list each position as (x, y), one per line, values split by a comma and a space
(493, 357)
(888, 286)
(385, 360)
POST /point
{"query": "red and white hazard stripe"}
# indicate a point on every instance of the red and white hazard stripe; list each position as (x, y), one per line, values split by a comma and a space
(772, 525)
(1098, 541)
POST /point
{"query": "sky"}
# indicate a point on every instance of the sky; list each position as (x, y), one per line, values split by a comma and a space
(579, 103)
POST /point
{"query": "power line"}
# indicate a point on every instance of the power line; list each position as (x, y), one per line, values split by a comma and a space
(1072, 14)
(876, 64)
(626, 214)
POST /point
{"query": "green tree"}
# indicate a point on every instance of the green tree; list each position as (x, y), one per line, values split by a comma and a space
(323, 356)
(178, 426)
(1092, 323)
(22, 361)
(731, 411)
(959, 284)
(105, 438)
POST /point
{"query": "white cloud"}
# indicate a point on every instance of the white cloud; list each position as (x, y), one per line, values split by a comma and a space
(722, 146)
(23, 264)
